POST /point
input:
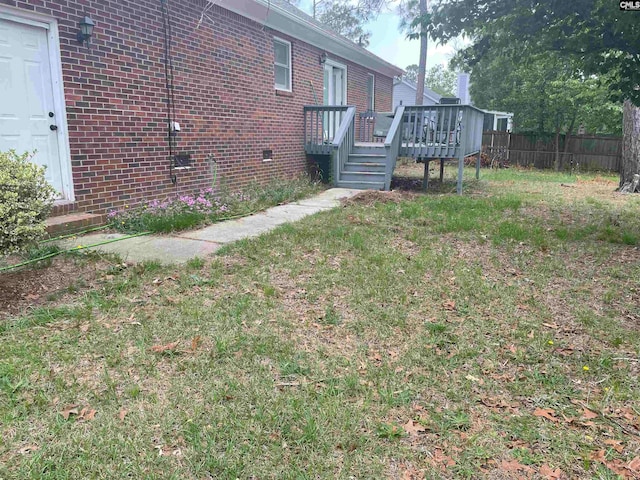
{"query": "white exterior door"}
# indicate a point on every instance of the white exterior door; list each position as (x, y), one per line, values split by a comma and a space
(334, 93)
(334, 85)
(28, 119)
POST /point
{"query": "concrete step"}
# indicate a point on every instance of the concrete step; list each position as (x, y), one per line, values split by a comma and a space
(72, 223)
(362, 176)
(361, 185)
(364, 167)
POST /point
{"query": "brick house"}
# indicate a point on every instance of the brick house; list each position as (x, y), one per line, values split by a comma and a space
(241, 71)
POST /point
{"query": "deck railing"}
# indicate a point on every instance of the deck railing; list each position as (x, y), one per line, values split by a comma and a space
(441, 131)
(392, 145)
(321, 124)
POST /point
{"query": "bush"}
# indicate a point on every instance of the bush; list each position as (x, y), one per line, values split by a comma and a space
(25, 201)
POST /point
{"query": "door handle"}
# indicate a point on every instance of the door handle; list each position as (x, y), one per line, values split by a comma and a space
(53, 128)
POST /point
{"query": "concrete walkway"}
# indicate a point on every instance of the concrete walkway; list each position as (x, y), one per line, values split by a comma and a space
(183, 246)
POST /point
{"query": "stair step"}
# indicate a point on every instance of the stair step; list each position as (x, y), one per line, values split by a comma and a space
(364, 167)
(369, 150)
(362, 176)
(367, 157)
(72, 223)
(361, 185)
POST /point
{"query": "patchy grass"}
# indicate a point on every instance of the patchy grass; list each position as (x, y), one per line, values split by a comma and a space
(405, 335)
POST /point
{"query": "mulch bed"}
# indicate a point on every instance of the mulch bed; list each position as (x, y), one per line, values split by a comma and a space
(31, 287)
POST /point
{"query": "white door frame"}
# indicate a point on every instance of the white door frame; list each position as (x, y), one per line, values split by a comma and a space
(342, 66)
(50, 24)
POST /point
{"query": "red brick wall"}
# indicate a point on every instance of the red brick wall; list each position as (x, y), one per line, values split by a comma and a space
(225, 99)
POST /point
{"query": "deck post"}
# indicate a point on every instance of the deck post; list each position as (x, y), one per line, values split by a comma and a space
(478, 160)
(460, 170)
(441, 170)
(425, 180)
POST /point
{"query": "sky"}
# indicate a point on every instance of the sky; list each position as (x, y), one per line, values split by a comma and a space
(390, 44)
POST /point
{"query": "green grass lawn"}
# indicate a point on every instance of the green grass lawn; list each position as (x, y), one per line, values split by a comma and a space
(490, 335)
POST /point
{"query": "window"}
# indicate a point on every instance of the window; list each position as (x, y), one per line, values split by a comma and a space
(282, 64)
(371, 90)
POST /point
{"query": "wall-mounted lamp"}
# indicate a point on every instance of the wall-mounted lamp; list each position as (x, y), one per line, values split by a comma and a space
(86, 30)
(323, 58)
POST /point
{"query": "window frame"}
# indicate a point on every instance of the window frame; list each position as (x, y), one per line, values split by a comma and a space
(371, 105)
(283, 88)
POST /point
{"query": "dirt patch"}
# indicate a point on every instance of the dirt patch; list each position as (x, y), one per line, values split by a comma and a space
(371, 197)
(31, 287)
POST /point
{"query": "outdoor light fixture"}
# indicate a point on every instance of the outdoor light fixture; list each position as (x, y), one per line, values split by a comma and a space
(86, 30)
(323, 58)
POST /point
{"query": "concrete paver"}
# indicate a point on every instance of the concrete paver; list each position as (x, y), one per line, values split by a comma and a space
(181, 247)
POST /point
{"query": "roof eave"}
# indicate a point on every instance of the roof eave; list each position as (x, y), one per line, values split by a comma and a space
(283, 21)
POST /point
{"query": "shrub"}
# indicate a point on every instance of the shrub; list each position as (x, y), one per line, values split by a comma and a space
(25, 201)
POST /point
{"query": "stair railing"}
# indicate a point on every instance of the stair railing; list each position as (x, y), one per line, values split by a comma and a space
(343, 143)
(392, 146)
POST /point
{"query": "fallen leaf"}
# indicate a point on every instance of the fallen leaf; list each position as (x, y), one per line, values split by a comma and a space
(86, 414)
(530, 334)
(515, 466)
(615, 444)
(413, 428)
(68, 411)
(588, 414)
(442, 460)
(195, 343)
(122, 414)
(449, 305)
(475, 379)
(410, 473)
(164, 348)
(551, 325)
(547, 413)
(550, 474)
(634, 465)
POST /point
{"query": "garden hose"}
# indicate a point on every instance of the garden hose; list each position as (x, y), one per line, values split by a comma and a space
(74, 249)
(62, 237)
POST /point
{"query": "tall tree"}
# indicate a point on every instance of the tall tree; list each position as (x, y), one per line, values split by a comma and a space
(415, 21)
(422, 65)
(599, 35)
(347, 21)
(437, 78)
(348, 17)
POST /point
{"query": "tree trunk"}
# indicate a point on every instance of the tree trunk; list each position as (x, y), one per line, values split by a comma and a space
(556, 162)
(630, 147)
(567, 139)
(422, 67)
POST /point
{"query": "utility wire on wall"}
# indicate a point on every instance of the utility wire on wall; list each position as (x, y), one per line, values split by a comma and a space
(169, 79)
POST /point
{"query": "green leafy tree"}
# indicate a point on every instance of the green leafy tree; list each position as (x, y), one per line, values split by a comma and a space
(545, 93)
(438, 78)
(342, 18)
(603, 41)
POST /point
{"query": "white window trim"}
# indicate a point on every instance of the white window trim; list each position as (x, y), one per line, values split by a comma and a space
(372, 107)
(51, 26)
(333, 63)
(290, 66)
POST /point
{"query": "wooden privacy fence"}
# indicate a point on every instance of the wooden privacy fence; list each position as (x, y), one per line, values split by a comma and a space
(575, 152)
